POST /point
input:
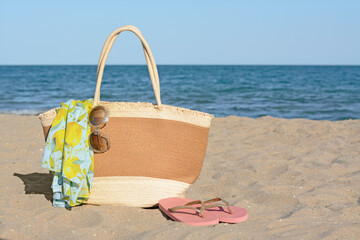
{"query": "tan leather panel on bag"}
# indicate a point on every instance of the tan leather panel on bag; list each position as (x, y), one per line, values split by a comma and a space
(149, 147)
(46, 131)
(153, 148)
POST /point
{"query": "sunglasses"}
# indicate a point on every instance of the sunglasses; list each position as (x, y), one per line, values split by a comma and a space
(99, 141)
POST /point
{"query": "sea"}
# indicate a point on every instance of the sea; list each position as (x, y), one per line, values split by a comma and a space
(311, 92)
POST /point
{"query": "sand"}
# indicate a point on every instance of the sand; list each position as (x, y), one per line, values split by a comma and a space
(298, 179)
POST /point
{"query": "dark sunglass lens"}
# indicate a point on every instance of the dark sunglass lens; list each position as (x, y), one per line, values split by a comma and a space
(99, 141)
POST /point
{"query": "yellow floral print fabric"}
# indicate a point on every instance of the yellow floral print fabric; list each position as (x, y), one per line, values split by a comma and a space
(67, 154)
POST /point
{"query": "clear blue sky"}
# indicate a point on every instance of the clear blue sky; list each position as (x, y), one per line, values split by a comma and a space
(182, 32)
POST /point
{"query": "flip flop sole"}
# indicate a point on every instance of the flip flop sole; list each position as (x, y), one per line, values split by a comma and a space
(187, 216)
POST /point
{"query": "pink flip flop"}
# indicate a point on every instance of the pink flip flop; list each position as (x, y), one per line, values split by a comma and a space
(224, 211)
(187, 211)
(195, 212)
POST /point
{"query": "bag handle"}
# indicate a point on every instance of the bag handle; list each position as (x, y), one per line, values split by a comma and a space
(154, 76)
(109, 43)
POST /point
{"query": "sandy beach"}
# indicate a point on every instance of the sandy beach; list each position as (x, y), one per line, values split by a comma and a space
(298, 179)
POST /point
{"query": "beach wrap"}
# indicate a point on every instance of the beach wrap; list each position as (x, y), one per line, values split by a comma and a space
(67, 154)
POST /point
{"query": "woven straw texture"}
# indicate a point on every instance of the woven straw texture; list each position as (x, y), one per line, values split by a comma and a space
(157, 150)
(134, 191)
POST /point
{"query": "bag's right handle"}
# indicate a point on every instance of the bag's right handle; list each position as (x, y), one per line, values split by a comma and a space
(154, 76)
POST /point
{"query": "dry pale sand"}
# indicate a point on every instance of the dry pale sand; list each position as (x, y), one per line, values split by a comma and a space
(298, 179)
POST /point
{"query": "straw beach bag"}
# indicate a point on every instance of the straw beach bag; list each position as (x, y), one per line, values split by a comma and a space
(157, 151)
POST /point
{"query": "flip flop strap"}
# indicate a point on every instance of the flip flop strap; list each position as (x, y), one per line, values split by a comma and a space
(223, 204)
(186, 206)
(193, 203)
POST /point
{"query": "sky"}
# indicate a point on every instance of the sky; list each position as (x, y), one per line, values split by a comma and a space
(304, 32)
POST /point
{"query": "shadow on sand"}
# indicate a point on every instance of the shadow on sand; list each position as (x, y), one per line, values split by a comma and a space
(37, 183)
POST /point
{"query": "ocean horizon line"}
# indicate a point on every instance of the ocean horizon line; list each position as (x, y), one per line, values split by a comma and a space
(284, 65)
